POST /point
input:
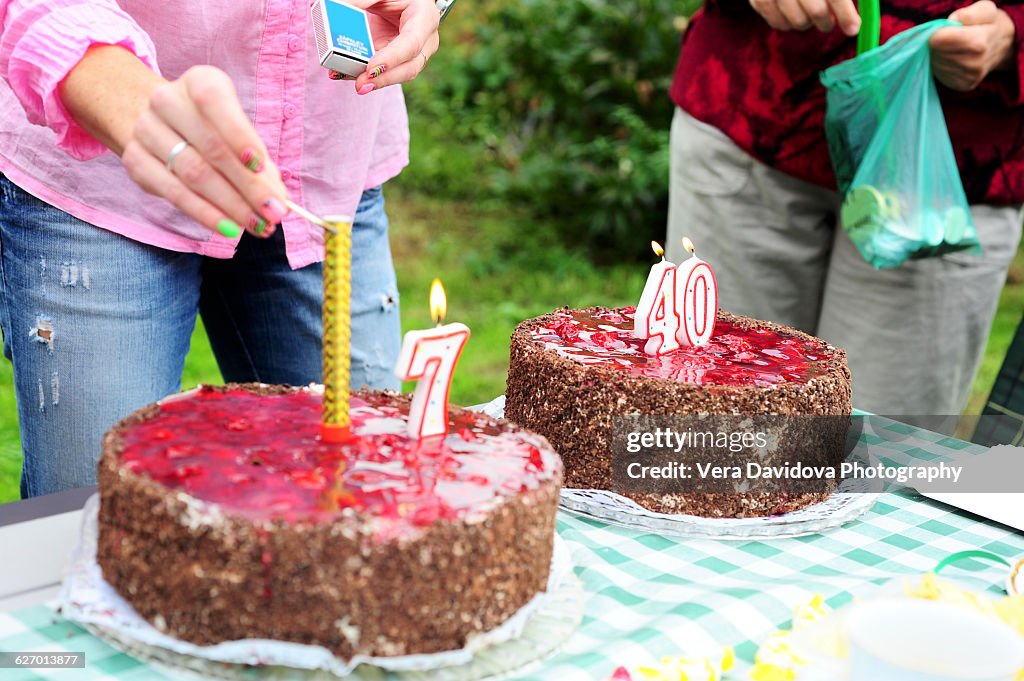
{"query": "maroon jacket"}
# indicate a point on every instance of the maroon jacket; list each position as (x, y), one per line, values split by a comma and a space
(761, 88)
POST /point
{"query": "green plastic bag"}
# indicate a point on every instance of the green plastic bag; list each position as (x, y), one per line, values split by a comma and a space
(903, 198)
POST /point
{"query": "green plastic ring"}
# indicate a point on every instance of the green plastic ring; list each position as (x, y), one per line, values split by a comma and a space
(964, 555)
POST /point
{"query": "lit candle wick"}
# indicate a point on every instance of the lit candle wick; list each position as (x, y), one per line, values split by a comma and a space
(658, 250)
(438, 302)
(688, 245)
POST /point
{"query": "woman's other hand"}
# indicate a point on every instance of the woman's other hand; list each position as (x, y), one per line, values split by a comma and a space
(404, 39)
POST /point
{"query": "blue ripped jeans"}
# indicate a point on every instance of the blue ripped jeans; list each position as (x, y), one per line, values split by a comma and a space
(98, 325)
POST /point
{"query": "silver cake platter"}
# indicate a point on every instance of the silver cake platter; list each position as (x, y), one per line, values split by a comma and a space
(852, 500)
(533, 633)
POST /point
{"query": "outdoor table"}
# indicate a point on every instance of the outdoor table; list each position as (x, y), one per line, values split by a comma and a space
(647, 595)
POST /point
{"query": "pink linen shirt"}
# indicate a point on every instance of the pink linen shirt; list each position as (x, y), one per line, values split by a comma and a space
(329, 143)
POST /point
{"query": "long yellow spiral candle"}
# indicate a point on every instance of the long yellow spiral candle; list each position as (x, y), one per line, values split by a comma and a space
(337, 319)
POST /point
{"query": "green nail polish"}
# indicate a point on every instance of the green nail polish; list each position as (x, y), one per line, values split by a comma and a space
(228, 228)
(260, 227)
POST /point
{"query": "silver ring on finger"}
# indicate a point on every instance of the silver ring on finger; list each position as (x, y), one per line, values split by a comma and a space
(175, 153)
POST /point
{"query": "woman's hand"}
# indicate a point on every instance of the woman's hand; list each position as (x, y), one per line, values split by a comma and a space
(962, 56)
(404, 38)
(801, 15)
(222, 177)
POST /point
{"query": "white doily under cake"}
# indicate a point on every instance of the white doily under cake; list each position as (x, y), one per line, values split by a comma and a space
(530, 635)
(848, 503)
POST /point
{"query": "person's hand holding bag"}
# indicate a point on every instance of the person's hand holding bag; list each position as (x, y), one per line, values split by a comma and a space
(962, 56)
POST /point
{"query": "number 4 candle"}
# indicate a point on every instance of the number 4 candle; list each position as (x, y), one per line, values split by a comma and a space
(429, 356)
(656, 318)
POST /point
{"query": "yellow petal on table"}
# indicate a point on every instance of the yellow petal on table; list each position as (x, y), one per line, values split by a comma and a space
(769, 672)
(807, 613)
(775, 660)
(650, 674)
(707, 668)
(777, 650)
(728, 658)
(932, 588)
(689, 669)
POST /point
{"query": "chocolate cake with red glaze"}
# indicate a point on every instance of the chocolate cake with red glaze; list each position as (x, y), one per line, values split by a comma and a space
(573, 371)
(223, 516)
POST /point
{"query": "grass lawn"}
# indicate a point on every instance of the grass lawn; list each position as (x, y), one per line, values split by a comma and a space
(1008, 316)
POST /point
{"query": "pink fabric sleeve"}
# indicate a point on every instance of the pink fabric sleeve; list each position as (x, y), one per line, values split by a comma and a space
(41, 41)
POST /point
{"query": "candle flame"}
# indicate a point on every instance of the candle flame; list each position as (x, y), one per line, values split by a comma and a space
(438, 302)
(658, 250)
(688, 245)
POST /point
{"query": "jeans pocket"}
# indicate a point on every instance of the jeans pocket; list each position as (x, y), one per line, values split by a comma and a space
(19, 197)
(28, 211)
(705, 159)
(12, 196)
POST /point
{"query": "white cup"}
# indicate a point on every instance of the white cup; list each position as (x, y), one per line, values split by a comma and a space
(905, 639)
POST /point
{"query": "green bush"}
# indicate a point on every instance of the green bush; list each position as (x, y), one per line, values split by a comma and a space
(559, 106)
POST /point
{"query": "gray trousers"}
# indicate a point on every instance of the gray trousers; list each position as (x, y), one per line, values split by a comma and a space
(914, 335)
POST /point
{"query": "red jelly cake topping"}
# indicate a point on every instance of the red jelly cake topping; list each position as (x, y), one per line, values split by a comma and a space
(260, 456)
(734, 356)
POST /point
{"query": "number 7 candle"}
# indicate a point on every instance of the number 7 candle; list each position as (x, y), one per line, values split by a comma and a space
(429, 356)
(657, 318)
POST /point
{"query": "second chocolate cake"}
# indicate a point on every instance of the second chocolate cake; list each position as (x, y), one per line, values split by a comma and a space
(573, 371)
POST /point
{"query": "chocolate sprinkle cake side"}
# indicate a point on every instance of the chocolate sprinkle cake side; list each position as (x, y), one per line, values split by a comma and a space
(572, 404)
(206, 576)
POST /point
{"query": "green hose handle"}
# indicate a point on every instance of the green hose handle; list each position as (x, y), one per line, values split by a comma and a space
(870, 27)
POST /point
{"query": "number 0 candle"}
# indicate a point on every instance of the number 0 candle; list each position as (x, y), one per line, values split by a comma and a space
(657, 318)
(697, 297)
(429, 356)
(337, 319)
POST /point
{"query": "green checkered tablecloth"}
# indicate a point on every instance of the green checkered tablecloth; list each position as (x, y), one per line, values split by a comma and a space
(650, 596)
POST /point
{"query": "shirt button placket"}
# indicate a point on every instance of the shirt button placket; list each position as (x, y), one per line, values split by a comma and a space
(292, 85)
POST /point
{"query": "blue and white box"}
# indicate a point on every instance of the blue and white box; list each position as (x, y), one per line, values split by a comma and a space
(343, 41)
